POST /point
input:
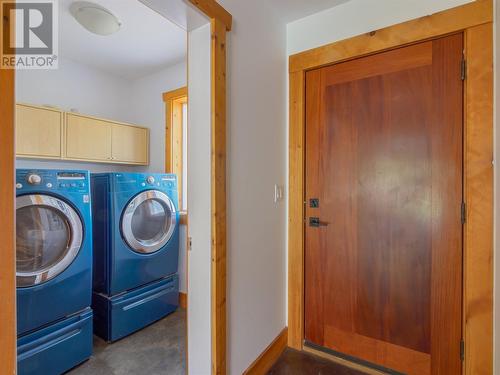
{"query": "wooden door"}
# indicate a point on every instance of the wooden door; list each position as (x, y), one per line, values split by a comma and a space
(38, 132)
(87, 138)
(130, 144)
(383, 264)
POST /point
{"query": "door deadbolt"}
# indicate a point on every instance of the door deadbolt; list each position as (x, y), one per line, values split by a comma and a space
(314, 203)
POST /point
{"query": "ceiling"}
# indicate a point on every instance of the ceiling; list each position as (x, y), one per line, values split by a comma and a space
(291, 10)
(146, 42)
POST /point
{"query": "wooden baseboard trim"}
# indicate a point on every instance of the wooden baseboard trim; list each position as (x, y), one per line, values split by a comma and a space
(343, 362)
(183, 300)
(269, 356)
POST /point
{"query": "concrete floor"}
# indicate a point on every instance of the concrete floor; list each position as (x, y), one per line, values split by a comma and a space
(159, 349)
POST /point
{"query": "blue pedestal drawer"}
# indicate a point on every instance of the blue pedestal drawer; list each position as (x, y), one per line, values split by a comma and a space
(119, 316)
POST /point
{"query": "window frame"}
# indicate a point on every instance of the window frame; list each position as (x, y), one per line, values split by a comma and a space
(174, 159)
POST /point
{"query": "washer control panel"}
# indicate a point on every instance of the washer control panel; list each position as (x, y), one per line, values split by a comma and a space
(52, 180)
(34, 179)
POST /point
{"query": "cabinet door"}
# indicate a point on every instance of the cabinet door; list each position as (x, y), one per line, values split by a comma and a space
(87, 138)
(38, 132)
(130, 144)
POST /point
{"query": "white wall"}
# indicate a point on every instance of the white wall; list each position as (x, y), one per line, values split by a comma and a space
(199, 200)
(73, 85)
(358, 17)
(256, 162)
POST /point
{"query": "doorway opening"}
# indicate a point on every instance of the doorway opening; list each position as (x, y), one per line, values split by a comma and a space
(97, 121)
(123, 151)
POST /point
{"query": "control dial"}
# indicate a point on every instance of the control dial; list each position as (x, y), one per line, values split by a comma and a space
(34, 179)
(150, 180)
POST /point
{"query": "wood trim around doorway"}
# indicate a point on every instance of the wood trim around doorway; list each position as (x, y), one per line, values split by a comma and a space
(218, 189)
(7, 225)
(475, 21)
(7, 231)
(221, 23)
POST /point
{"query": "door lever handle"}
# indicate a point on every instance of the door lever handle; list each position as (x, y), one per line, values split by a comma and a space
(315, 222)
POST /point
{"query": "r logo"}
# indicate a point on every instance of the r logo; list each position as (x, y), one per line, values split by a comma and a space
(33, 28)
(29, 37)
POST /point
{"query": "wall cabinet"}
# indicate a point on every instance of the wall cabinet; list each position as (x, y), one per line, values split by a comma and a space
(47, 133)
(129, 143)
(87, 138)
(39, 132)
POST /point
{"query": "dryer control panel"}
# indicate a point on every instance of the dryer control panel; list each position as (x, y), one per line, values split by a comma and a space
(141, 181)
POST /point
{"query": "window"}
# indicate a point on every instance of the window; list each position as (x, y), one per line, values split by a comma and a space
(176, 140)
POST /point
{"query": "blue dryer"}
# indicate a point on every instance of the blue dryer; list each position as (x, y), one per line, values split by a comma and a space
(53, 268)
(136, 250)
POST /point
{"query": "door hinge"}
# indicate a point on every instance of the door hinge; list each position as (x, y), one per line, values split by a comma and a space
(463, 212)
(463, 69)
(462, 350)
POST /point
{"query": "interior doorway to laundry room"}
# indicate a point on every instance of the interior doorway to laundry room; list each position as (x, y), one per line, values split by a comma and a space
(100, 116)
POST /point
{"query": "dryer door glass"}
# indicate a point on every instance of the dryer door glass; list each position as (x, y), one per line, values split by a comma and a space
(48, 238)
(149, 222)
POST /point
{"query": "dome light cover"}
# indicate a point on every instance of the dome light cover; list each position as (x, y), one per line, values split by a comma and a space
(95, 18)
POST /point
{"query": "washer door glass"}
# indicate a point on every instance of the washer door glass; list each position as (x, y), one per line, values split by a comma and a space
(149, 222)
(48, 238)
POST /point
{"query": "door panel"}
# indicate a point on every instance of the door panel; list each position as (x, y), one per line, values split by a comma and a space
(384, 157)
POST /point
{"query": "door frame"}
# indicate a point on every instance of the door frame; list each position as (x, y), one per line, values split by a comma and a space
(475, 20)
(7, 219)
(221, 24)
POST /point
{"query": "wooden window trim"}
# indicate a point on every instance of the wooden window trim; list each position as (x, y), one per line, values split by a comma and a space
(174, 102)
(475, 21)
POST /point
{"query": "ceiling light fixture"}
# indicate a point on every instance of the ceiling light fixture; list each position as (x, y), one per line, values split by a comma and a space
(95, 18)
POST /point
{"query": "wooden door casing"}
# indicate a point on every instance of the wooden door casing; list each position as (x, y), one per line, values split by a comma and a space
(384, 150)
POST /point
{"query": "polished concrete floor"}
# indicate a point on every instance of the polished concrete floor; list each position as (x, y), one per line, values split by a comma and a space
(159, 349)
(293, 362)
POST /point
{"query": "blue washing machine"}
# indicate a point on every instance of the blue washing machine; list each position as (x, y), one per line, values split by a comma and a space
(53, 269)
(136, 251)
